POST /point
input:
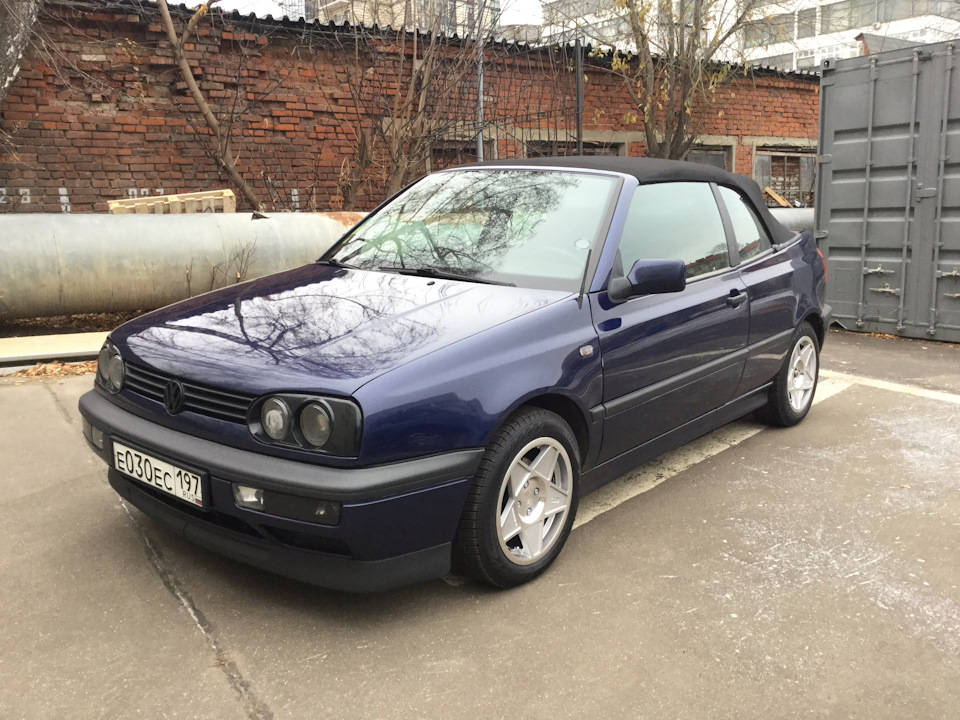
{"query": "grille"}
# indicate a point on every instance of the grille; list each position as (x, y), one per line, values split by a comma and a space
(201, 399)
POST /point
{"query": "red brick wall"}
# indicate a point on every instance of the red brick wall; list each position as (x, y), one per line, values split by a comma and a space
(102, 113)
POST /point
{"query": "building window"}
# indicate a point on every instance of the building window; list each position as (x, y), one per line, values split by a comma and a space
(493, 14)
(807, 23)
(557, 148)
(769, 31)
(609, 31)
(718, 157)
(848, 14)
(448, 154)
(789, 173)
(451, 19)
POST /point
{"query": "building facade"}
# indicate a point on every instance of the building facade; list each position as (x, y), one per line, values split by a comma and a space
(788, 36)
(111, 118)
(801, 36)
(453, 17)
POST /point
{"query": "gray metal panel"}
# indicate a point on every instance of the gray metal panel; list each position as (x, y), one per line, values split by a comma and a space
(888, 191)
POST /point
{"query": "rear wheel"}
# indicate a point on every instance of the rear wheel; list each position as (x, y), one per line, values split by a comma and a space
(524, 497)
(792, 393)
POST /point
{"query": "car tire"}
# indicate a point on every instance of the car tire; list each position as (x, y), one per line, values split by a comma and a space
(523, 500)
(795, 384)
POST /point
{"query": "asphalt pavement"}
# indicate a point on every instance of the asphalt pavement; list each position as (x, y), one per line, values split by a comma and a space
(756, 573)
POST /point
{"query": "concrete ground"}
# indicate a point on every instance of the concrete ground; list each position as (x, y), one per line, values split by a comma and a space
(755, 573)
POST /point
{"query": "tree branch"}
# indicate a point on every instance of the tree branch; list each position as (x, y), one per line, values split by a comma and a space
(224, 155)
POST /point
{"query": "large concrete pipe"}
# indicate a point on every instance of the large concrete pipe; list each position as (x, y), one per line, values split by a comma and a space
(53, 264)
(794, 218)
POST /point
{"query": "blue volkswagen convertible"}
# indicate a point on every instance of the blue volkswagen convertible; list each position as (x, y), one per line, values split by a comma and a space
(441, 387)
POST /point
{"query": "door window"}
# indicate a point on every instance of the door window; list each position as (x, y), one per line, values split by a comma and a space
(675, 221)
(752, 238)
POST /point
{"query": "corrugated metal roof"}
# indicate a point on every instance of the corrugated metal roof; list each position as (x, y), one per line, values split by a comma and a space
(301, 25)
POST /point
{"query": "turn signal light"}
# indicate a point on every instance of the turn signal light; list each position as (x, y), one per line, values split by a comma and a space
(93, 434)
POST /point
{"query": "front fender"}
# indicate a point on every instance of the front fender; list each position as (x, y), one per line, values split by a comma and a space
(458, 396)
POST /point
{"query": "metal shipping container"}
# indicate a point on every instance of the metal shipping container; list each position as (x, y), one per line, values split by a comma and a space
(888, 191)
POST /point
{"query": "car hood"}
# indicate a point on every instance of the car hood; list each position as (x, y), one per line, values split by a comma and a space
(317, 328)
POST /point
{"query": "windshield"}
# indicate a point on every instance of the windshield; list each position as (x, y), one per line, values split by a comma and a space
(520, 227)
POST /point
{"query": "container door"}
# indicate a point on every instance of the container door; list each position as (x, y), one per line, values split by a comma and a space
(888, 200)
(938, 304)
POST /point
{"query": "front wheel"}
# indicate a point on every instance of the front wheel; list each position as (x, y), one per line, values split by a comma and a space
(520, 509)
(794, 386)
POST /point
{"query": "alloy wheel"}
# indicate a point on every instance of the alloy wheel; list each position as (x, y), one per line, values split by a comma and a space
(534, 500)
(803, 374)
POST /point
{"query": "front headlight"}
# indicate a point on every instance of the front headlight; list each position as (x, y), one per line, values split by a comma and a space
(275, 418)
(110, 368)
(307, 422)
(315, 424)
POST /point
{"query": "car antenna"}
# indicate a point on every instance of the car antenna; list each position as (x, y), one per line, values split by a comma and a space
(583, 283)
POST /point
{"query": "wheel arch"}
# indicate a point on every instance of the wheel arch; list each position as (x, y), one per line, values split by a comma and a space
(819, 327)
(569, 411)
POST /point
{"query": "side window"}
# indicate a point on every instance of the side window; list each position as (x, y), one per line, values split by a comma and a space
(675, 221)
(752, 238)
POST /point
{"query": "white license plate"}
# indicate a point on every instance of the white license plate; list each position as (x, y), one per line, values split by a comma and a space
(156, 473)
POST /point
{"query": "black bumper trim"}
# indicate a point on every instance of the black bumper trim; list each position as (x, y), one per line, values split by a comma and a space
(251, 468)
(314, 568)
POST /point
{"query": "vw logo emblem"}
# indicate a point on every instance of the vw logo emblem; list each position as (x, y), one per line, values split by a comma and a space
(173, 397)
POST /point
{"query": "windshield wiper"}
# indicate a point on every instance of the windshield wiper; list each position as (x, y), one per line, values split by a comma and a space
(432, 272)
(333, 262)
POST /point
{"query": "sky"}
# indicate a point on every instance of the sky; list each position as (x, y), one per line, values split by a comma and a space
(514, 11)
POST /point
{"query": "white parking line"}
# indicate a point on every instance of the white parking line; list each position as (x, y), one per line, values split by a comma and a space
(651, 474)
(914, 390)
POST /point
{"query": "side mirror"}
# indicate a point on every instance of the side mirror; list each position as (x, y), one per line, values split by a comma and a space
(648, 277)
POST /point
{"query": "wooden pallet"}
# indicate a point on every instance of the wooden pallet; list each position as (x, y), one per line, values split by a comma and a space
(776, 197)
(215, 201)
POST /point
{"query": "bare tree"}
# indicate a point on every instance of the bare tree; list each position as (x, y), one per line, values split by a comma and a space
(415, 104)
(17, 18)
(672, 55)
(412, 79)
(221, 149)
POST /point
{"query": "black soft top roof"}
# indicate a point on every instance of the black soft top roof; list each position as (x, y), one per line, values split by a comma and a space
(654, 170)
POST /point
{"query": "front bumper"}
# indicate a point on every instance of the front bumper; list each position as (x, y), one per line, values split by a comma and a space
(396, 523)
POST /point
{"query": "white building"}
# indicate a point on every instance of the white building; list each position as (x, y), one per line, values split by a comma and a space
(601, 23)
(799, 36)
(595, 22)
(461, 17)
(793, 35)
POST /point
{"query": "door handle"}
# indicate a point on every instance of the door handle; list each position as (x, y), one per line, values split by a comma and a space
(736, 299)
